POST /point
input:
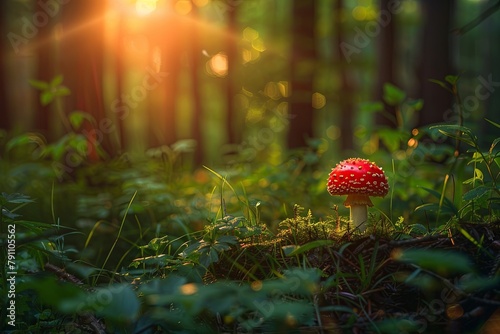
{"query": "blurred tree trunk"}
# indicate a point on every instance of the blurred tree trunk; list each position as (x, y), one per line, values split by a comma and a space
(386, 61)
(491, 69)
(435, 60)
(232, 56)
(171, 52)
(5, 117)
(345, 101)
(196, 121)
(302, 73)
(44, 72)
(119, 80)
(82, 66)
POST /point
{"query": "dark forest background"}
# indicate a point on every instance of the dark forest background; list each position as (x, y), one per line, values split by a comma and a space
(242, 79)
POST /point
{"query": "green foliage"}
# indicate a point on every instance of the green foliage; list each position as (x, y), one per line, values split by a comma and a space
(152, 245)
(50, 90)
(482, 199)
(301, 230)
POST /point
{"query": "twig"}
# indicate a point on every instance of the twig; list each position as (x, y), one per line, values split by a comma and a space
(483, 16)
(86, 317)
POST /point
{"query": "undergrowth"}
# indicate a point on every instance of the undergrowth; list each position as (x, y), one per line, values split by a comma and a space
(131, 246)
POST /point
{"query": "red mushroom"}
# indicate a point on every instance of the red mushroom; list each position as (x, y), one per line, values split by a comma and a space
(358, 179)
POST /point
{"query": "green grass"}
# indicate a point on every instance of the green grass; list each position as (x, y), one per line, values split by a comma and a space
(147, 245)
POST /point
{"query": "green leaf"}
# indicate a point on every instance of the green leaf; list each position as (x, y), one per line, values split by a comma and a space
(393, 95)
(307, 247)
(447, 207)
(56, 81)
(391, 138)
(417, 105)
(17, 198)
(26, 138)
(370, 107)
(475, 284)
(228, 239)
(451, 79)
(41, 85)
(46, 97)
(450, 130)
(7, 213)
(117, 303)
(493, 144)
(476, 193)
(76, 119)
(493, 123)
(439, 261)
(442, 84)
(184, 145)
(62, 91)
(65, 297)
(478, 175)
(288, 249)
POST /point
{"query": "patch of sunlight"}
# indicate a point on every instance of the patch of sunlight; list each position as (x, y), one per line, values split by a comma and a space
(145, 7)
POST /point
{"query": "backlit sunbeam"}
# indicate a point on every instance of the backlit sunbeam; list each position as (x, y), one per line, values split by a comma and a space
(145, 7)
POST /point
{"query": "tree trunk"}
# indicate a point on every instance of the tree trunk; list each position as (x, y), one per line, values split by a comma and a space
(345, 101)
(385, 67)
(171, 49)
(119, 82)
(435, 60)
(491, 69)
(82, 65)
(232, 55)
(5, 117)
(45, 72)
(197, 119)
(302, 73)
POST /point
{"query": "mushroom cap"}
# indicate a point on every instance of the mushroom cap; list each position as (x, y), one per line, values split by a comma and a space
(359, 177)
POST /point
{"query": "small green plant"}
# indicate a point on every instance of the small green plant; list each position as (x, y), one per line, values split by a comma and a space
(482, 199)
(300, 229)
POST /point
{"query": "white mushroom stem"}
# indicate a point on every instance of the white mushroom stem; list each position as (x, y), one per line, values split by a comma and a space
(359, 216)
(358, 210)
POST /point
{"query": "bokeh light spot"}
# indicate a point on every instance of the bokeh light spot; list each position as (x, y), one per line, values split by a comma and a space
(359, 13)
(318, 100)
(250, 34)
(217, 65)
(189, 289)
(183, 7)
(333, 132)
